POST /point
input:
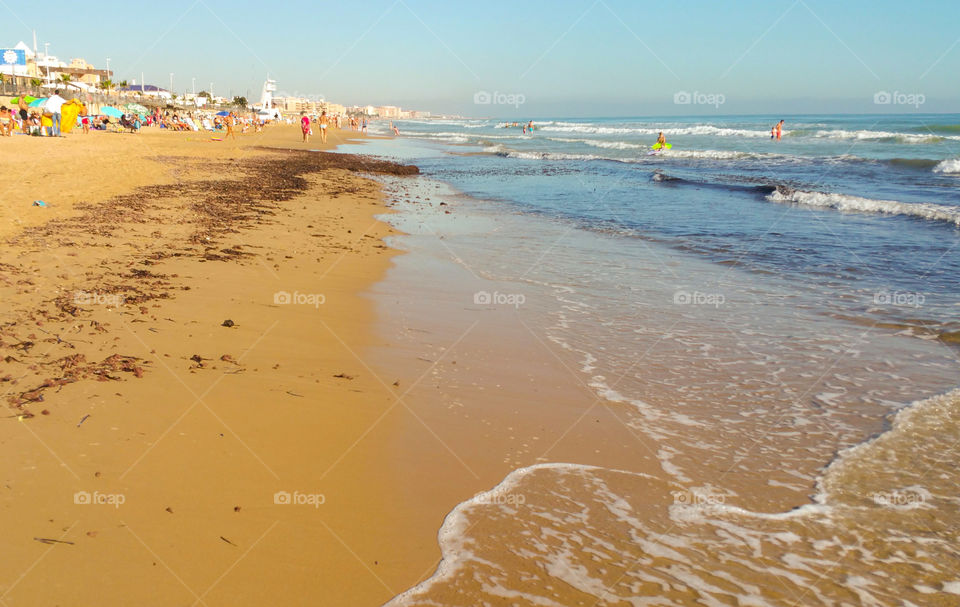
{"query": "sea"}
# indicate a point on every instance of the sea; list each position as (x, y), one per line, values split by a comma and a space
(778, 320)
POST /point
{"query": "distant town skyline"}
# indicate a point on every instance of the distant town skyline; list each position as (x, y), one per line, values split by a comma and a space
(601, 58)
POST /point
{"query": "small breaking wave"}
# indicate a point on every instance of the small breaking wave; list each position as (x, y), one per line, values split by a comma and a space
(848, 203)
(699, 129)
(610, 145)
(888, 136)
(914, 163)
(948, 166)
(506, 152)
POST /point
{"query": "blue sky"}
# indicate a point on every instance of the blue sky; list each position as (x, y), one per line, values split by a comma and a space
(561, 58)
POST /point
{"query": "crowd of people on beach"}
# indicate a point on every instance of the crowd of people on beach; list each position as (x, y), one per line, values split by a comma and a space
(31, 119)
(47, 119)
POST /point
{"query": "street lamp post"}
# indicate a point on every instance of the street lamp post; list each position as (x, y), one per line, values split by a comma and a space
(171, 84)
(46, 58)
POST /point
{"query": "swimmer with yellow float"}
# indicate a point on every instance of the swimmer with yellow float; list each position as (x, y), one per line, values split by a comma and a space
(660, 145)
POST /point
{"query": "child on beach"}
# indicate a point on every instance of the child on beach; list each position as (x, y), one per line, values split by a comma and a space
(364, 129)
(228, 120)
(304, 126)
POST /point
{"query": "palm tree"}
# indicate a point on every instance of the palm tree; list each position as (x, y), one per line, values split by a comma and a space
(36, 83)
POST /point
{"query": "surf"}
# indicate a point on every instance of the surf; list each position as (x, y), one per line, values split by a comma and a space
(613, 535)
(848, 203)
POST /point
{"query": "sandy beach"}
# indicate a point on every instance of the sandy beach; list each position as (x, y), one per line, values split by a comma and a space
(313, 306)
(203, 407)
(175, 432)
(222, 386)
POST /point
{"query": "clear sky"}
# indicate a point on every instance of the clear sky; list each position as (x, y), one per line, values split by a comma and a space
(560, 57)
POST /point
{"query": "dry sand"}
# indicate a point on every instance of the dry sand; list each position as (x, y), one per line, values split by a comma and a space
(152, 402)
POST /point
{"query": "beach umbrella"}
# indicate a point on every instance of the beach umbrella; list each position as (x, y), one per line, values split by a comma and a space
(38, 102)
(16, 100)
(223, 113)
(111, 111)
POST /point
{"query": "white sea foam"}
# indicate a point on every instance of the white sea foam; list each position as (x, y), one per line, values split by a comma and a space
(951, 587)
(882, 135)
(699, 129)
(610, 145)
(845, 202)
(948, 166)
(807, 530)
(509, 153)
(715, 154)
(704, 154)
(934, 411)
(452, 537)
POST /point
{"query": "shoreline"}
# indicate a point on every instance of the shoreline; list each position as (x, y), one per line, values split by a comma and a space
(492, 535)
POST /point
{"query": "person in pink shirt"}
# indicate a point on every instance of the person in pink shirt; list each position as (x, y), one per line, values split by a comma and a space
(305, 126)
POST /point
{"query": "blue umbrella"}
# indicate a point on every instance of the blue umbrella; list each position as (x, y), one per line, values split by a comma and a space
(111, 111)
(223, 113)
(38, 102)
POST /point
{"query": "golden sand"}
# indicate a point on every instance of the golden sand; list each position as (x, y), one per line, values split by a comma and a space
(182, 428)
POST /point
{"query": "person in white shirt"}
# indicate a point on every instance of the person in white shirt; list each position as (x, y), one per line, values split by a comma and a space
(53, 106)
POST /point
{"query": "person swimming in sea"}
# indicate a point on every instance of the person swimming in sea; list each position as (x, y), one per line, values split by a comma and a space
(662, 141)
(779, 130)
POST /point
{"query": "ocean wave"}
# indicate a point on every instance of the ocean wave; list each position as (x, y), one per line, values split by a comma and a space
(882, 136)
(948, 166)
(448, 137)
(610, 145)
(914, 163)
(554, 526)
(950, 128)
(452, 537)
(717, 154)
(700, 129)
(845, 202)
(926, 421)
(506, 152)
